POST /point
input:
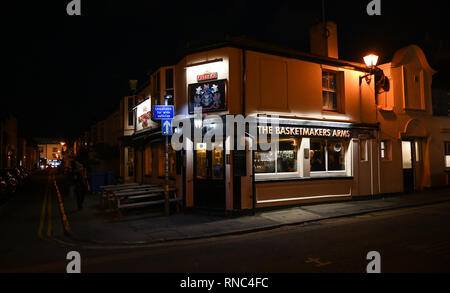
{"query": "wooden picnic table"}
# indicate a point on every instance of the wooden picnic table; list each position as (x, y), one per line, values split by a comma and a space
(106, 187)
(140, 197)
(107, 192)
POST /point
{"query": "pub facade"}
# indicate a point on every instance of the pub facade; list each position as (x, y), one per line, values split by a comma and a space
(333, 134)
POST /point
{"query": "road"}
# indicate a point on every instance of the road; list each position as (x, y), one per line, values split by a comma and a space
(408, 240)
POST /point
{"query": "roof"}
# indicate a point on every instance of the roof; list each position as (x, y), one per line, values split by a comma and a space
(262, 47)
(404, 55)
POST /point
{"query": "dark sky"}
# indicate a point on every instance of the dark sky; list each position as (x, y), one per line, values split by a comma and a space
(71, 70)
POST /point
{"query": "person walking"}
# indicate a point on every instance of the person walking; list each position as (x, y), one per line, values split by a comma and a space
(78, 178)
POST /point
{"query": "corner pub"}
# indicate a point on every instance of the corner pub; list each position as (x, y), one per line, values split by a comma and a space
(334, 141)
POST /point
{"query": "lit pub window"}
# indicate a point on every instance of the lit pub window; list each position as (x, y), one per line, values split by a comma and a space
(385, 150)
(447, 154)
(329, 91)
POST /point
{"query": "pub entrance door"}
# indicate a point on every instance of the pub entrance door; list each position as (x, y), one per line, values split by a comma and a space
(209, 176)
(408, 165)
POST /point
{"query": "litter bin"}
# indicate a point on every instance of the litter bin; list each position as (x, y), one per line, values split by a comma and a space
(96, 180)
(111, 177)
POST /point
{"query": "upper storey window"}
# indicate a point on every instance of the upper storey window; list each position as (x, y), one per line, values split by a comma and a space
(330, 93)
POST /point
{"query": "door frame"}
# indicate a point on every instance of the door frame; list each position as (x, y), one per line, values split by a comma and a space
(209, 180)
(412, 185)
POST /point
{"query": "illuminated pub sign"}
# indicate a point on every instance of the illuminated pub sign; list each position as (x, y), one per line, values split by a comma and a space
(207, 76)
(210, 95)
(144, 115)
(305, 131)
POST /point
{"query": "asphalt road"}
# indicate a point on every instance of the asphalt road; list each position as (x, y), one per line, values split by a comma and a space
(408, 240)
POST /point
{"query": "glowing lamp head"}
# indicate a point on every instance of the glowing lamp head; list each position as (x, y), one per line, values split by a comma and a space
(371, 60)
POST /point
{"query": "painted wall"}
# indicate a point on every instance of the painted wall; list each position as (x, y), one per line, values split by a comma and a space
(291, 87)
(406, 111)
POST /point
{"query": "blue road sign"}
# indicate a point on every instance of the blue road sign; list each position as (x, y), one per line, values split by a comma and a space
(166, 126)
(162, 112)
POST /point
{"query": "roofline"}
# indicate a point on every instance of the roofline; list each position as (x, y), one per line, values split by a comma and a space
(262, 47)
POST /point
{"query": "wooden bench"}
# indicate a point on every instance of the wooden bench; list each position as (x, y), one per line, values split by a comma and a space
(108, 191)
(140, 198)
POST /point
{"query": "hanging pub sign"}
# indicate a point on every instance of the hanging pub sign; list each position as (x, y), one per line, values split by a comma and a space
(144, 115)
(211, 96)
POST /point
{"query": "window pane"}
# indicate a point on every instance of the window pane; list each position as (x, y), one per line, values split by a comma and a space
(130, 103)
(201, 163)
(385, 149)
(329, 100)
(332, 81)
(317, 155)
(447, 161)
(329, 80)
(217, 161)
(336, 156)
(333, 97)
(406, 155)
(287, 156)
(169, 78)
(264, 162)
(325, 99)
(324, 80)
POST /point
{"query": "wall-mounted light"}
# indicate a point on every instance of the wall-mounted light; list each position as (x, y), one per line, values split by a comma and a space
(371, 60)
(381, 82)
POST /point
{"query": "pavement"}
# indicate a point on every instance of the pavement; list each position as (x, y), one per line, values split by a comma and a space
(146, 226)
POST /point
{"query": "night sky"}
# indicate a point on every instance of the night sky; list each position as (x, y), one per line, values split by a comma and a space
(71, 70)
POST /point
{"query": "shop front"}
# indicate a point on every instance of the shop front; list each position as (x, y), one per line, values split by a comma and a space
(290, 161)
(310, 161)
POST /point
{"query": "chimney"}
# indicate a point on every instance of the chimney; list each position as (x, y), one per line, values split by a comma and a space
(323, 39)
(133, 85)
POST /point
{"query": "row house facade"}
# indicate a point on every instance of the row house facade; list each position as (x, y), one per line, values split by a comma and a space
(340, 130)
(15, 149)
(9, 143)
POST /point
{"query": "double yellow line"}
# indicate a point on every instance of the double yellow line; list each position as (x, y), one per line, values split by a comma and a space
(46, 213)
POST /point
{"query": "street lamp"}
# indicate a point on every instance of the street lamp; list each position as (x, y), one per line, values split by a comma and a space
(371, 60)
(381, 82)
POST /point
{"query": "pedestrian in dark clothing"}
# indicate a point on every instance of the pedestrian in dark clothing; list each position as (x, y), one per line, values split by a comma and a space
(79, 182)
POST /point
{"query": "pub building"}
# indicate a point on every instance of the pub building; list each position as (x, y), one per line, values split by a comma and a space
(342, 129)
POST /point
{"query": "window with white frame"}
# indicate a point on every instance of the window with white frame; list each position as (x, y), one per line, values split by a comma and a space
(447, 154)
(327, 156)
(280, 160)
(385, 150)
(330, 94)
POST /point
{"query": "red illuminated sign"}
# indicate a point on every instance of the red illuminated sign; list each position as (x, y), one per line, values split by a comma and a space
(207, 76)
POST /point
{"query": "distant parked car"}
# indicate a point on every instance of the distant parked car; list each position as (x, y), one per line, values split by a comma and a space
(15, 172)
(11, 181)
(3, 187)
(24, 173)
